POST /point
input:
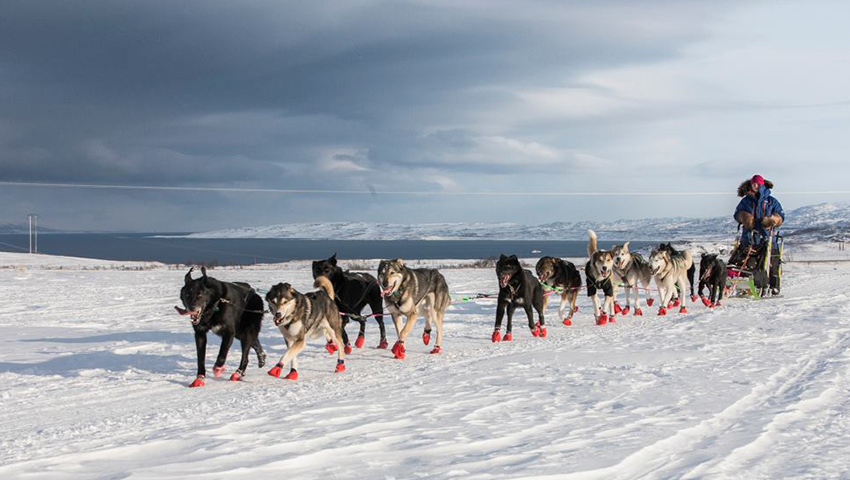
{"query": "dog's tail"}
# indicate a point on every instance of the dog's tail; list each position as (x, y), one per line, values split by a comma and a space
(325, 284)
(591, 247)
(689, 259)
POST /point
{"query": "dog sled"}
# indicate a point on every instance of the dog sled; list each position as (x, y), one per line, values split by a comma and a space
(755, 271)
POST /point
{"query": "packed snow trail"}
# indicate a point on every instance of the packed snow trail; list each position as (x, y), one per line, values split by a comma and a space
(95, 366)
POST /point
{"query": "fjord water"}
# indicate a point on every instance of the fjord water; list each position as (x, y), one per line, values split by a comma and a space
(245, 251)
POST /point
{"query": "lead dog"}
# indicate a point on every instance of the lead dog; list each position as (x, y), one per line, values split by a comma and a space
(712, 272)
(633, 271)
(670, 270)
(229, 310)
(598, 275)
(300, 317)
(352, 292)
(518, 287)
(408, 291)
(559, 273)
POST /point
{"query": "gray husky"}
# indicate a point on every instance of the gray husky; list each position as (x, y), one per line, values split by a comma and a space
(633, 271)
(670, 271)
(302, 316)
(409, 291)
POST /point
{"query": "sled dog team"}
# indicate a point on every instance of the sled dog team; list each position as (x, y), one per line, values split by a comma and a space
(233, 310)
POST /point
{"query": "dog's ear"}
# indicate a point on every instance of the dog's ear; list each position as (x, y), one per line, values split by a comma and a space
(502, 257)
(626, 246)
(399, 262)
(513, 257)
(204, 272)
(332, 260)
(188, 277)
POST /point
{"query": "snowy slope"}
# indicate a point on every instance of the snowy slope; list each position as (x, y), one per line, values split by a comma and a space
(94, 366)
(812, 222)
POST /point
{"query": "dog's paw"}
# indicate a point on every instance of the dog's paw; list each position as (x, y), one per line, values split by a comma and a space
(199, 382)
(361, 339)
(706, 301)
(638, 312)
(348, 349)
(612, 319)
(218, 371)
(568, 321)
(662, 311)
(617, 308)
(384, 344)
(276, 371)
(340, 367)
(694, 298)
(649, 302)
(437, 349)
(508, 337)
(602, 320)
(496, 337)
(236, 377)
(426, 337)
(684, 309)
(292, 375)
(330, 347)
(626, 310)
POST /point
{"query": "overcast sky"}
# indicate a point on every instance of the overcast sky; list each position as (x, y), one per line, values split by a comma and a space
(438, 96)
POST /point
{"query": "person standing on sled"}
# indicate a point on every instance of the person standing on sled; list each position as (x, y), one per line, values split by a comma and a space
(757, 212)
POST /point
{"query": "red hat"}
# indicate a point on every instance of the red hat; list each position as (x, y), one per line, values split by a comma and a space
(757, 179)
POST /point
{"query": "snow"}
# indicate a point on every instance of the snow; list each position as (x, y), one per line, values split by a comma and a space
(94, 365)
(814, 222)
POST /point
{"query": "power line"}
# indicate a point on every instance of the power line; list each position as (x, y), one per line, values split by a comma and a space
(287, 191)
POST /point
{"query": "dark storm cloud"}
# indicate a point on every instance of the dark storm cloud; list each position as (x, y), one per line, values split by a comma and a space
(306, 94)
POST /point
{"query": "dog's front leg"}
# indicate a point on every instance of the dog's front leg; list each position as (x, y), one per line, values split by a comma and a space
(597, 312)
(291, 352)
(226, 343)
(201, 347)
(398, 348)
(508, 331)
(563, 307)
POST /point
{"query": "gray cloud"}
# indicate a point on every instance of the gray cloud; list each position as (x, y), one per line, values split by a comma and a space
(437, 95)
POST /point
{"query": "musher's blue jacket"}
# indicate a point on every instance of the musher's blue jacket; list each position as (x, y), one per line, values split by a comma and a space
(763, 205)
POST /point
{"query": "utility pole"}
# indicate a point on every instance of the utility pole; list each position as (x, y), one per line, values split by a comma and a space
(33, 237)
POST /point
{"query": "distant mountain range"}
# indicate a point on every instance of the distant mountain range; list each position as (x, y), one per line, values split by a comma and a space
(10, 228)
(826, 221)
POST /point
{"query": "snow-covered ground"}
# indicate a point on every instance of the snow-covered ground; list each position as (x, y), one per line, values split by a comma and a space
(94, 366)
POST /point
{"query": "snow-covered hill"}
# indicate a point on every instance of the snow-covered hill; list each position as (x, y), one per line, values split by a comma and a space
(823, 221)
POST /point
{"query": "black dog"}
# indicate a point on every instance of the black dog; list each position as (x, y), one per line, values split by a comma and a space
(518, 287)
(353, 291)
(691, 271)
(227, 309)
(712, 273)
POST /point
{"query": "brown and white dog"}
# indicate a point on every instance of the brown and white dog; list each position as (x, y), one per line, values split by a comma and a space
(409, 291)
(599, 272)
(301, 316)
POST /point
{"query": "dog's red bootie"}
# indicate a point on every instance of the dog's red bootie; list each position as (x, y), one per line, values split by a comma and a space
(292, 375)
(384, 344)
(602, 320)
(677, 302)
(237, 376)
(694, 298)
(330, 347)
(683, 309)
(662, 311)
(276, 370)
(398, 350)
(199, 382)
(717, 303)
(626, 310)
(508, 337)
(542, 330)
(437, 349)
(361, 339)
(706, 301)
(617, 309)
(612, 319)
(536, 330)
(575, 309)
(496, 337)
(649, 302)
(426, 337)
(348, 349)
(568, 321)
(340, 366)
(638, 312)
(217, 371)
